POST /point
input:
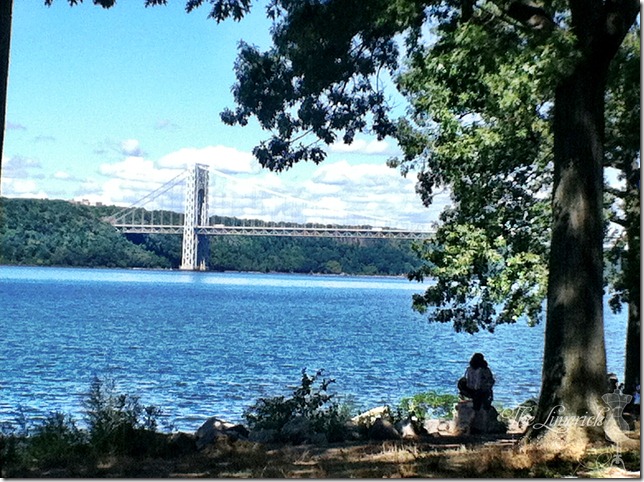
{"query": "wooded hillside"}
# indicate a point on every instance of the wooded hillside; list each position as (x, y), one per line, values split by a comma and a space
(60, 233)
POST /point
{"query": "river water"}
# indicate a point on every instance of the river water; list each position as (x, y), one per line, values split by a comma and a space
(198, 345)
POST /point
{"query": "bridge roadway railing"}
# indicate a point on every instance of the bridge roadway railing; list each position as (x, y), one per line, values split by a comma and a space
(295, 231)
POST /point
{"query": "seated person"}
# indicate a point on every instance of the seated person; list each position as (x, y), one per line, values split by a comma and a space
(477, 383)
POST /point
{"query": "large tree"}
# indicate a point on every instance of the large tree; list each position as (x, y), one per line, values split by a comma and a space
(492, 139)
(623, 154)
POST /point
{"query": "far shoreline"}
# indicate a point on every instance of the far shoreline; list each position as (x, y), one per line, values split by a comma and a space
(178, 270)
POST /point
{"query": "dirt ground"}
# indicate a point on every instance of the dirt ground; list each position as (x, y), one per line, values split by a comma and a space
(479, 456)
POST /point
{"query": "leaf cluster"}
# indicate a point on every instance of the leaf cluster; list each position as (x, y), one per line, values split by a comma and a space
(310, 401)
(219, 10)
(480, 124)
(116, 420)
(320, 81)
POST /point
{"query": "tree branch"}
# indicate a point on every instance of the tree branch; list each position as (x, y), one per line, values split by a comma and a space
(615, 192)
(531, 15)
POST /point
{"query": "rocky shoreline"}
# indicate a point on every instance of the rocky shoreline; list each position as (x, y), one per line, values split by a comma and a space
(373, 425)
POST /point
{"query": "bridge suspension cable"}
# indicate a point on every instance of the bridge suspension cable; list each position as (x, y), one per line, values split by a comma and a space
(122, 215)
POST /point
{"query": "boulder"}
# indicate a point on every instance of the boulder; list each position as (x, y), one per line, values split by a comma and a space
(353, 431)
(383, 430)
(369, 417)
(469, 421)
(434, 426)
(406, 429)
(214, 428)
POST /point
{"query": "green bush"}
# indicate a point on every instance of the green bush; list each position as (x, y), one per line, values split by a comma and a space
(116, 424)
(119, 423)
(426, 405)
(309, 401)
(58, 442)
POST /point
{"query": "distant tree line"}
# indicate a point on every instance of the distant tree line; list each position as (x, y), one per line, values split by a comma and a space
(41, 232)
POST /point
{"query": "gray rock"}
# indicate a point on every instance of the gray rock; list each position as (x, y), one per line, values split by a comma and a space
(469, 421)
(383, 430)
(432, 426)
(406, 429)
(369, 417)
(214, 428)
(353, 430)
(318, 438)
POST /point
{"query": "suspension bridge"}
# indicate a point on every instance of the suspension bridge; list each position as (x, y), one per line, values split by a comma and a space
(241, 211)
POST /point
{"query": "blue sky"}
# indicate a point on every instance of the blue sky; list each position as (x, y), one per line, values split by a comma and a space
(104, 105)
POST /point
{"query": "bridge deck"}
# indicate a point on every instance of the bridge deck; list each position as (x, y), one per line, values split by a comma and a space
(299, 231)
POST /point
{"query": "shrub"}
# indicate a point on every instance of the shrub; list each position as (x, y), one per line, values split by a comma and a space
(119, 423)
(427, 405)
(116, 424)
(308, 401)
(57, 442)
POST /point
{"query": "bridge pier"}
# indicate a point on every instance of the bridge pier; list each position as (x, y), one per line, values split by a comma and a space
(196, 247)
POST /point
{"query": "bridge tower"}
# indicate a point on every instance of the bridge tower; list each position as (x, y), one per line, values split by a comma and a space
(195, 246)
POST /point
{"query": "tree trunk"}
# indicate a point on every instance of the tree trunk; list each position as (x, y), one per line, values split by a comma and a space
(632, 275)
(633, 347)
(6, 7)
(574, 365)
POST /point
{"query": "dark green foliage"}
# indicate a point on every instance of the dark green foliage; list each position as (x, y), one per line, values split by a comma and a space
(58, 442)
(306, 255)
(319, 82)
(310, 400)
(116, 424)
(60, 233)
(119, 423)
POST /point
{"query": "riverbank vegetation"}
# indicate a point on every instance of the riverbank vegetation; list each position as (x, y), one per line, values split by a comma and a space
(120, 438)
(41, 232)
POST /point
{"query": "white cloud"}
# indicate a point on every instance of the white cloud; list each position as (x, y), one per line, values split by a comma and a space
(62, 176)
(20, 167)
(222, 158)
(24, 188)
(167, 125)
(361, 146)
(136, 168)
(339, 192)
(131, 147)
(135, 177)
(15, 126)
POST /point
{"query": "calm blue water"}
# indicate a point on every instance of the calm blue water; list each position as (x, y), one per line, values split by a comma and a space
(209, 344)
